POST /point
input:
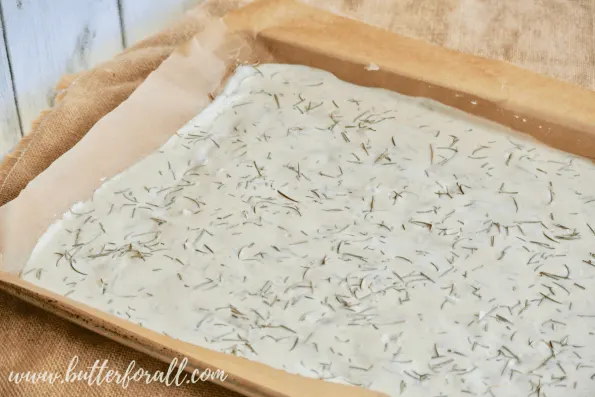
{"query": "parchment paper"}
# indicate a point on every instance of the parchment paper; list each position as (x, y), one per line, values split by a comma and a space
(179, 89)
(556, 113)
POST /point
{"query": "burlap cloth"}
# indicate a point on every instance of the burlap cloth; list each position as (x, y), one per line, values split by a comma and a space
(553, 37)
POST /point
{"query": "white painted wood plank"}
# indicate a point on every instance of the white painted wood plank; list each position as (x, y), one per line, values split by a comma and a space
(49, 38)
(10, 129)
(142, 18)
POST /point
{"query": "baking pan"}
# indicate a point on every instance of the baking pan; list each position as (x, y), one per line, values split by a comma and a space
(282, 31)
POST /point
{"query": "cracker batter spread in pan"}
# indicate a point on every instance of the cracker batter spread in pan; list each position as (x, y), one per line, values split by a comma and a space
(350, 234)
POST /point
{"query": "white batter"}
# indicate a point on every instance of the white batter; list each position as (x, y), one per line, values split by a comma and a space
(349, 234)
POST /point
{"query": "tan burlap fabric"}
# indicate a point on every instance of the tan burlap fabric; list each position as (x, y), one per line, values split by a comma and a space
(552, 37)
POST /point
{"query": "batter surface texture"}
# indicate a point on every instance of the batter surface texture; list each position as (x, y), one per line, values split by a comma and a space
(350, 234)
